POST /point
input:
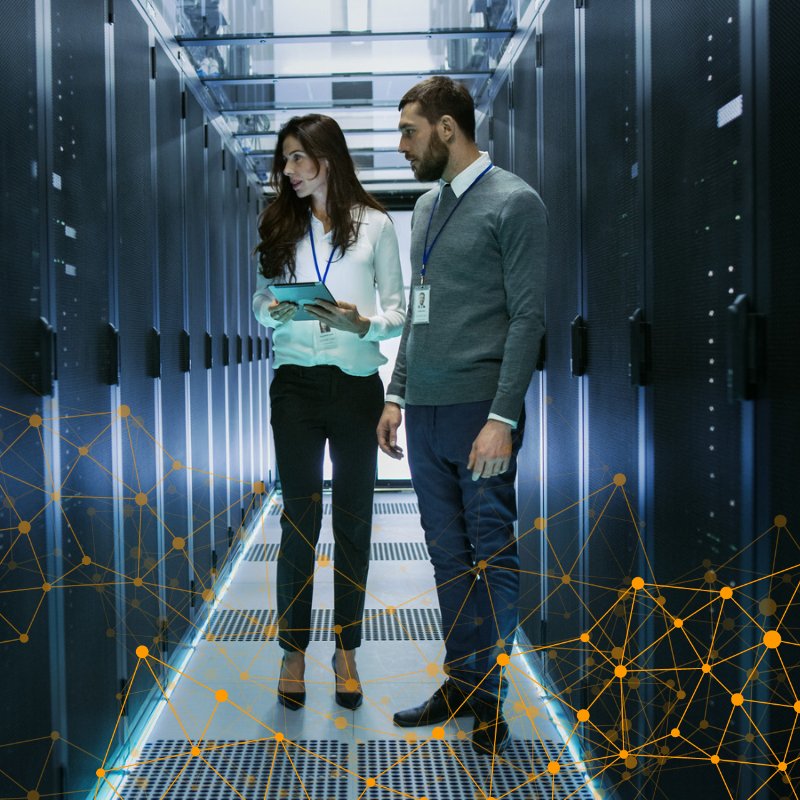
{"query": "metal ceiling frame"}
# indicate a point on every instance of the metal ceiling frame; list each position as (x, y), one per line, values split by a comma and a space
(343, 77)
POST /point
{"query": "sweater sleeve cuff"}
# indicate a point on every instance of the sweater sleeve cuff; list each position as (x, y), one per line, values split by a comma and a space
(510, 422)
(393, 398)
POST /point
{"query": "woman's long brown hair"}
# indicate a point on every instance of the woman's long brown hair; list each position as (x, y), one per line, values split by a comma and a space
(287, 218)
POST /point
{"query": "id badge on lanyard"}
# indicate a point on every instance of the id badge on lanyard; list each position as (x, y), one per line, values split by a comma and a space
(421, 308)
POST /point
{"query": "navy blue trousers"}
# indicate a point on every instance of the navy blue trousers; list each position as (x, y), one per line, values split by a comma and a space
(469, 530)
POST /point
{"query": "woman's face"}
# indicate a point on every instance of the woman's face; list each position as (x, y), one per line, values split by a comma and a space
(301, 171)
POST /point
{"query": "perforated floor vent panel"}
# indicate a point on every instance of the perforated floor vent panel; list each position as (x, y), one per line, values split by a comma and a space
(384, 508)
(252, 770)
(259, 625)
(447, 770)
(380, 551)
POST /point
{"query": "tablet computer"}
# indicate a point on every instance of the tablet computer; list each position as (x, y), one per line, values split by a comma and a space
(302, 294)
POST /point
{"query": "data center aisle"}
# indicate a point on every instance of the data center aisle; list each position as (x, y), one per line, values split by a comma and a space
(224, 735)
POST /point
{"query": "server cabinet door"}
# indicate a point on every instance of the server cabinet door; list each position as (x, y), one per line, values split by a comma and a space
(201, 345)
(25, 707)
(559, 187)
(501, 127)
(174, 572)
(136, 285)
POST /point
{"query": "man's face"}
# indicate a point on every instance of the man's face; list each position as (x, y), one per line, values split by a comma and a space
(421, 145)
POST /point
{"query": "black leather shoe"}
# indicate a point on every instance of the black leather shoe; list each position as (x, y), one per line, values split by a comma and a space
(348, 700)
(290, 700)
(447, 702)
(490, 733)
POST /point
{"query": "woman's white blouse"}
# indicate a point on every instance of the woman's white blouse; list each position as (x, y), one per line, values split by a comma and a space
(372, 262)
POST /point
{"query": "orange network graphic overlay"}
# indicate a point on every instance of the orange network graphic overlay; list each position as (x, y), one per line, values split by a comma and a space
(660, 679)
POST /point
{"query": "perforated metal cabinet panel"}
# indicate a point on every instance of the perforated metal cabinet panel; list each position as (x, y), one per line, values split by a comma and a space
(246, 323)
(23, 707)
(559, 192)
(501, 128)
(137, 246)
(218, 288)
(698, 259)
(529, 458)
(79, 239)
(197, 232)
(526, 163)
(614, 274)
(171, 290)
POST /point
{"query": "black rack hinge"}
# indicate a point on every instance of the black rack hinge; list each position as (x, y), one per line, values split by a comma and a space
(579, 337)
(580, 3)
(251, 350)
(112, 355)
(209, 351)
(542, 357)
(110, 11)
(155, 353)
(226, 350)
(239, 349)
(224, 159)
(192, 592)
(184, 104)
(640, 364)
(230, 536)
(539, 44)
(214, 561)
(237, 178)
(205, 135)
(185, 351)
(258, 348)
(746, 350)
(153, 63)
(48, 362)
(248, 193)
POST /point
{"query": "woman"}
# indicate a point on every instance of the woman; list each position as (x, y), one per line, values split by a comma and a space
(323, 226)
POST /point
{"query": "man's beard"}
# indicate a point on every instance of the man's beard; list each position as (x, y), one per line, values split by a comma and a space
(431, 166)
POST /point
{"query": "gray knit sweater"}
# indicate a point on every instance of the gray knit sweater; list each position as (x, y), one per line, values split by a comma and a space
(487, 279)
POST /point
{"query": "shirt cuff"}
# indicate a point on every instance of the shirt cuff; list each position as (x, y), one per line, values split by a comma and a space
(510, 422)
(393, 398)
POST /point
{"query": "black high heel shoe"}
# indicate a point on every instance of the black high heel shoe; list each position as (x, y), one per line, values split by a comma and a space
(290, 700)
(349, 700)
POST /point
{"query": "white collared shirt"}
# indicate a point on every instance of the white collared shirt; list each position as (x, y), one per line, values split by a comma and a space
(372, 262)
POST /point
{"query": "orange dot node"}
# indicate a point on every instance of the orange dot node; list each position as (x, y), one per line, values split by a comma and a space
(24, 638)
(244, 676)
(715, 759)
(84, 451)
(138, 582)
(340, 723)
(623, 754)
(583, 715)
(24, 527)
(124, 411)
(195, 751)
(337, 628)
(55, 736)
(780, 520)
(638, 583)
(726, 592)
(584, 637)
(677, 622)
(782, 766)
(566, 580)
(675, 733)
(46, 587)
(772, 639)
(259, 487)
(371, 782)
(279, 737)
(620, 671)
(796, 707)
(208, 595)
(142, 651)
(540, 523)
(620, 479)
(391, 610)
(101, 773)
(55, 495)
(438, 732)
(141, 499)
(179, 543)
(351, 684)
(737, 699)
(554, 767)
(34, 420)
(432, 669)
(221, 695)
(503, 659)
(482, 564)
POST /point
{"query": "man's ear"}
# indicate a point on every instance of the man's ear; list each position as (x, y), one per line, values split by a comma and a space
(447, 128)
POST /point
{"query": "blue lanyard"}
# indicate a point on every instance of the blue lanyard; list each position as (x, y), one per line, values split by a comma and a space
(324, 277)
(426, 251)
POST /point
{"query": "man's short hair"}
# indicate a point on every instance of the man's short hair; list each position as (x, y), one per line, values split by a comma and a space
(439, 95)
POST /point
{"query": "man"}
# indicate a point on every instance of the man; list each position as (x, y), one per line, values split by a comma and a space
(478, 251)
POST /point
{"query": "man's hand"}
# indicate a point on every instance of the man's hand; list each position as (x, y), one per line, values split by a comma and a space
(388, 424)
(491, 451)
(343, 316)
